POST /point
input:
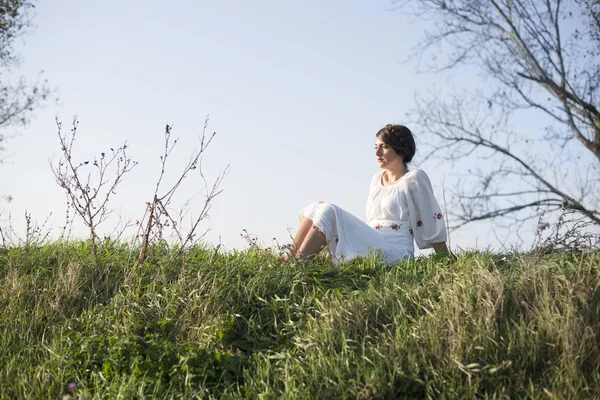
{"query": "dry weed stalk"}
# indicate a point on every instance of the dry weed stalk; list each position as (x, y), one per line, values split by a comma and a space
(34, 234)
(159, 215)
(88, 185)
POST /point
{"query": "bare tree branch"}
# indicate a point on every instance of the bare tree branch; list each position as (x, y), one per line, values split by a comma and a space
(538, 64)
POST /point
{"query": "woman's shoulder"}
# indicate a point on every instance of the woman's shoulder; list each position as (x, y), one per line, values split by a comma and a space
(416, 177)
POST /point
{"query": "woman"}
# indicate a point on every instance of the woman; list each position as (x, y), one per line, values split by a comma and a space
(401, 209)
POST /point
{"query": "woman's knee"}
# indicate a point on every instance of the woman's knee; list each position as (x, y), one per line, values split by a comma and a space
(329, 210)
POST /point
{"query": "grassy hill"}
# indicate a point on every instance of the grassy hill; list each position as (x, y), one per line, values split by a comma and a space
(241, 325)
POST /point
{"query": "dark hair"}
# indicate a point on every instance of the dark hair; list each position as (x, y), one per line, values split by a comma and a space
(399, 138)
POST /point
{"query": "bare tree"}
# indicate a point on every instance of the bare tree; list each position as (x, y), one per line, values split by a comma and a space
(540, 60)
(19, 98)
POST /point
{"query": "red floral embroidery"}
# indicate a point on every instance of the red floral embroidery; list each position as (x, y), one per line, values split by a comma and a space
(410, 230)
(438, 215)
(395, 226)
(320, 202)
(419, 223)
(337, 240)
(378, 226)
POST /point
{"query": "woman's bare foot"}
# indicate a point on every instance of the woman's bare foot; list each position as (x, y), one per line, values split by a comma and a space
(289, 253)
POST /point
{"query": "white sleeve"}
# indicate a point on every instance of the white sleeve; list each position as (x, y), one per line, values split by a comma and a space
(426, 219)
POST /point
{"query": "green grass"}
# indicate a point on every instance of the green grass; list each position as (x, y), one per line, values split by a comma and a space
(240, 325)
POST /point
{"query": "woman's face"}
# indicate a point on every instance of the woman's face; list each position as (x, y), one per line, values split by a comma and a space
(387, 158)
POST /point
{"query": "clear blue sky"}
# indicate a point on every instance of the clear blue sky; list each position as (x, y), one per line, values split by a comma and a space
(295, 91)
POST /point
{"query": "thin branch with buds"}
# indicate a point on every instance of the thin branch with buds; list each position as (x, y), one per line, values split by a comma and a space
(87, 184)
(159, 215)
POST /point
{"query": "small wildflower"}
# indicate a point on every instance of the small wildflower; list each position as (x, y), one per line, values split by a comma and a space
(72, 386)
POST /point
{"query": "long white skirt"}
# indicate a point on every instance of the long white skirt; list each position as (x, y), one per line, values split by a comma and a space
(349, 237)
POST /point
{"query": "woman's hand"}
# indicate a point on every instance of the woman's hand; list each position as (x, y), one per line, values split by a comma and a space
(440, 248)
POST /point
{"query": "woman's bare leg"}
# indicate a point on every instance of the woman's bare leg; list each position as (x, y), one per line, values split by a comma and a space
(313, 243)
(303, 229)
(301, 233)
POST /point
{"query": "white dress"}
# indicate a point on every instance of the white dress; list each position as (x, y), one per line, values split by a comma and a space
(396, 215)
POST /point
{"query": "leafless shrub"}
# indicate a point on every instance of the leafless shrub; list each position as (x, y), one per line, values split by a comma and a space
(33, 235)
(567, 232)
(89, 185)
(160, 215)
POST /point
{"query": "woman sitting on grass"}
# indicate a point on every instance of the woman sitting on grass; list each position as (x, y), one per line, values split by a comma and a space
(401, 208)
